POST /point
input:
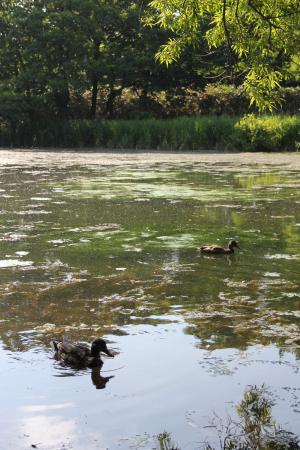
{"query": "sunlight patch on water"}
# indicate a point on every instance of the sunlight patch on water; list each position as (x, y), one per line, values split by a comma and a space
(13, 237)
(43, 408)
(180, 241)
(6, 263)
(281, 256)
(272, 274)
(60, 241)
(30, 212)
(49, 429)
(21, 253)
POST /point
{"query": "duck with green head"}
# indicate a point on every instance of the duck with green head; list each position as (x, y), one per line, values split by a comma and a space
(80, 354)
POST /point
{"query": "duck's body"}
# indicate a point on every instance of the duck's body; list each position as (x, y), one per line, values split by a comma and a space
(80, 354)
(218, 250)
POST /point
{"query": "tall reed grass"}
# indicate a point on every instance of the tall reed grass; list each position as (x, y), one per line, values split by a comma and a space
(222, 133)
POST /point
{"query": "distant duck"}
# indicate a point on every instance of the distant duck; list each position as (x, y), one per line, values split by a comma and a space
(217, 250)
(79, 354)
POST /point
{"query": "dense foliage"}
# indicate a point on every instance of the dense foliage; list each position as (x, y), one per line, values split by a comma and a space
(260, 38)
(63, 61)
(58, 57)
(250, 133)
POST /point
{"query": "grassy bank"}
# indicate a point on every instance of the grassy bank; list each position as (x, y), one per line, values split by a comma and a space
(249, 133)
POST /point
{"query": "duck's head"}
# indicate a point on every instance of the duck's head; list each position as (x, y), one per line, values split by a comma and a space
(99, 345)
(233, 243)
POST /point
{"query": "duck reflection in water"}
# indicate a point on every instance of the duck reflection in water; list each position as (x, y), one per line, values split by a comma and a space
(97, 379)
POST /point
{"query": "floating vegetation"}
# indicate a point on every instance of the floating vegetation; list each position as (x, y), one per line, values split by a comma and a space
(107, 245)
(255, 427)
(255, 181)
(100, 227)
(165, 184)
(242, 319)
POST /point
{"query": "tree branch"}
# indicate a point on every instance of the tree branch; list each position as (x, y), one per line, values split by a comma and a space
(228, 38)
(263, 16)
(237, 13)
(230, 54)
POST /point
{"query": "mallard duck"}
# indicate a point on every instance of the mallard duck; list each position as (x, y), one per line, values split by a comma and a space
(216, 249)
(80, 354)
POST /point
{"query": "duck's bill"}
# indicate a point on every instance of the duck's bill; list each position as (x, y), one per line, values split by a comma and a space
(108, 353)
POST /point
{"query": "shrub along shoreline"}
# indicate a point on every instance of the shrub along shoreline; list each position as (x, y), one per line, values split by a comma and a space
(223, 133)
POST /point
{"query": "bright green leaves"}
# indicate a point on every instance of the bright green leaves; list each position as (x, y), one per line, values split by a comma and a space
(171, 51)
(260, 39)
(261, 84)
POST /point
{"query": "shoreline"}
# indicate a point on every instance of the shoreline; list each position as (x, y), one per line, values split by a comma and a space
(69, 157)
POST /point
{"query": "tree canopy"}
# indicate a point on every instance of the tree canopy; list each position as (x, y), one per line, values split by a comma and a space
(53, 51)
(261, 39)
(61, 59)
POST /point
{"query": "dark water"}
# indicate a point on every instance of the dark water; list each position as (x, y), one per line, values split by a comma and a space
(107, 245)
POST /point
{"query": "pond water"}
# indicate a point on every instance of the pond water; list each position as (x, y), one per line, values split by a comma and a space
(108, 245)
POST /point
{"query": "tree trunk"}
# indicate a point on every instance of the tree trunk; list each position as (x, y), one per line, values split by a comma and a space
(110, 103)
(93, 108)
(95, 79)
(113, 93)
(144, 98)
(62, 99)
